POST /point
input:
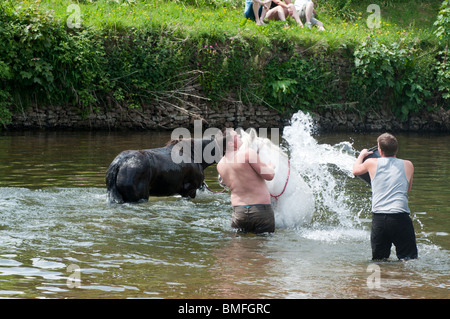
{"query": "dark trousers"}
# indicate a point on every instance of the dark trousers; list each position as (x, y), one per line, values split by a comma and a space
(253, 218)
(397, 229)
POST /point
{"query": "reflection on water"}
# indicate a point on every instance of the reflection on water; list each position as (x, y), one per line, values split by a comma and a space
(53, 214)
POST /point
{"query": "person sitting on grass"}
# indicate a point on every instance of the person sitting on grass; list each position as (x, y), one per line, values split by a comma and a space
(306, 11)
(256, 10)
(281, 9)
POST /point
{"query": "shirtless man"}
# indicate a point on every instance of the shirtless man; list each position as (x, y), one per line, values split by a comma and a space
(391, 180)
(243, 172)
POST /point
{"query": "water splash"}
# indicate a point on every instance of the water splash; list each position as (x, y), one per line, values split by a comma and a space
(324, 167)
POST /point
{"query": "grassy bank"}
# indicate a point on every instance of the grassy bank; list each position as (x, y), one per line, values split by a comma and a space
(220, 20)
(133, 51)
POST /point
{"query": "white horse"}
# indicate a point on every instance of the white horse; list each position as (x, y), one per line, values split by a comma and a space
(292, 198)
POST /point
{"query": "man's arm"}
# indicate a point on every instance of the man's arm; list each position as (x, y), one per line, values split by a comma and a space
(360, 167)
(266, 171)
(409, 172)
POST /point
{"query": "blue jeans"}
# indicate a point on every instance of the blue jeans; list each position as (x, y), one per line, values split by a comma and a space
(248, 11)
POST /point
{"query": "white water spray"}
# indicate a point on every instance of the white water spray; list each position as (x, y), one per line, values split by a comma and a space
(308, 185)
(323, 167)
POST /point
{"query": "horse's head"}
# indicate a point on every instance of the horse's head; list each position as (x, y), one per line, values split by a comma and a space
(261, 145)
(266, 149)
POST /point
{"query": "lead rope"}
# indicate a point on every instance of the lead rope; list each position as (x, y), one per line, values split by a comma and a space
(285, 184)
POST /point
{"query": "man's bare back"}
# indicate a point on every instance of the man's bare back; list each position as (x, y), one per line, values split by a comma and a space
(244, 173)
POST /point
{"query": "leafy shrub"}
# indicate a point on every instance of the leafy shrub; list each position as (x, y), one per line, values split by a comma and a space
(226, 67)
(300, 82)
(443, 22)
(140, 64)
(47, 63)
(389, 73)
(5, 97)
(341, 8)
(443, 75)
(443, 64)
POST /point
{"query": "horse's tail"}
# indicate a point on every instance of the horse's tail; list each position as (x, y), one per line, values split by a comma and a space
(114, 195)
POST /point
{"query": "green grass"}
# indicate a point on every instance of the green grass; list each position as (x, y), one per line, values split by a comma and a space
(400, 20)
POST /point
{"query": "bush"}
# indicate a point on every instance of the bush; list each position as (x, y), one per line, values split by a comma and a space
(48, 63)
(226, 67)
(51, 64)
(342, 9)
(5, 97)
(301, 82)
(443, 64)
(391, 74)
(140, 65)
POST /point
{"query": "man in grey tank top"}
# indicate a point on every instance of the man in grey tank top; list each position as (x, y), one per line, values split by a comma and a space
(391, 180)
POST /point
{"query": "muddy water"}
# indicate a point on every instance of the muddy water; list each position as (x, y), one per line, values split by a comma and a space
(60, 239)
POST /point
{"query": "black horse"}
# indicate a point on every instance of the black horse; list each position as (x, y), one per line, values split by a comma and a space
(177, 168)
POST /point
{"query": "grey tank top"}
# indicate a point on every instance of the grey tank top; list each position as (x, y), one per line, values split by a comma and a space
(390, 187)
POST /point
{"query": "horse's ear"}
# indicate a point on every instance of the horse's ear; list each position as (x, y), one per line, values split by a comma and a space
(253, 134)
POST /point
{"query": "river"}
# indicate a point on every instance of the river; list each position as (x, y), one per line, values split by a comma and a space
(60, 239)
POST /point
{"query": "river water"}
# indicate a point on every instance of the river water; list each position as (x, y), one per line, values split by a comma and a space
(60, 239)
